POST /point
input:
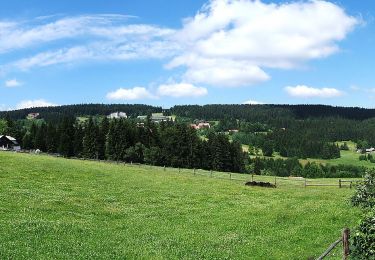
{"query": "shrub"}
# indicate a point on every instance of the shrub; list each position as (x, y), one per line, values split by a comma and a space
(365, 194)
(363, 238)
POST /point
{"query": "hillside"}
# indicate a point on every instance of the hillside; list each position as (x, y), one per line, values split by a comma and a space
(59, 208)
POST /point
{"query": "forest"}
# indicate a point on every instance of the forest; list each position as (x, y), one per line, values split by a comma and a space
(299, 131)
(164, 144)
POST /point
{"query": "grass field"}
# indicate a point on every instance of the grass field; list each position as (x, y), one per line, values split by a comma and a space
(53, 208)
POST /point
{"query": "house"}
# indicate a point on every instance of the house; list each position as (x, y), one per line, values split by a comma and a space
(117, 115)
(157, 117)
(33, 115)
(204, 125)
(201, 125)
(370, 150)
(232, 131)
(9, 143)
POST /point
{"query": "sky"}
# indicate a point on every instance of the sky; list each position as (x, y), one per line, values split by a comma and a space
(165, 52)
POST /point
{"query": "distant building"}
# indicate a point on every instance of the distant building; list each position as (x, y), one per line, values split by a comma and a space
(117, 115)
(157, 117)
(232, 131)
(9, 143)
(201, 126)
(370, 150)
(33, 115)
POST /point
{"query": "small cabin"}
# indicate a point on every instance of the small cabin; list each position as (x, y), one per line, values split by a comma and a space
(9, 143)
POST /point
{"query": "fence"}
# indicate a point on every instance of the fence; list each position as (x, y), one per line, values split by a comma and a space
(345, 245)
(277, 181)
(341, 183)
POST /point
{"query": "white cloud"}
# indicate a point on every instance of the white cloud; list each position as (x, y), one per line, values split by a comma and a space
(130, 94)
(95, 37)
(253, 102)
(303, 91)
(34, 103)
(230, 43)
(178, 90)
(12, 83)
(227, 43)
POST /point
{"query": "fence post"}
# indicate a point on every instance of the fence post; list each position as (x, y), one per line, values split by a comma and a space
(340, 183)
(252, 177)
(211, 173)
(164, 167)
(345, 243)
(194, 171)
(230, 176)
(179, 170)
(275, 180)
(305, 182)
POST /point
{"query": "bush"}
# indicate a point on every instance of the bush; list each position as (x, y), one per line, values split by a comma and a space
(365, 195)
(363, 238)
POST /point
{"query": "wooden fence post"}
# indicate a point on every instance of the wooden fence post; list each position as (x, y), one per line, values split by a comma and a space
(305, 182)
(275, 181)
(340, 183)
(345, 243)
(230, 176)
(252, 177)
(194, 171)
(164, 167)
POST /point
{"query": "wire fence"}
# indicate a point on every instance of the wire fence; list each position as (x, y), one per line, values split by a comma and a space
(240, 177)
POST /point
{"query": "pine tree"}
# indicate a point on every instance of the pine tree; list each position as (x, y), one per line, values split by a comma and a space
(90, 140)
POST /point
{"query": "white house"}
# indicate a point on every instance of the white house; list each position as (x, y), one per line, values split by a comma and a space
(117, 115)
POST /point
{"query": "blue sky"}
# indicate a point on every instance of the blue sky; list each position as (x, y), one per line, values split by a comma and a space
(186, 52)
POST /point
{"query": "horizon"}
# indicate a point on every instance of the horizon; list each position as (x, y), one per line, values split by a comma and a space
(197, 52)
(167, 108)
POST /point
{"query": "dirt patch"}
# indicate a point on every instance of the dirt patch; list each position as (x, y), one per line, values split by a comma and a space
(260, 184)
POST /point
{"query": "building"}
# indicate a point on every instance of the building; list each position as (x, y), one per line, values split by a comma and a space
(201, 125)
(9, 143)
(33, 115)
(157, 117)
(233, 131)
(117, 115)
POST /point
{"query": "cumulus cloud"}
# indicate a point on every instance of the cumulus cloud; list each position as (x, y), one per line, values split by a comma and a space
(34, 103)
(230, 43)
(130, 94)
(302, 91)
(227, 43)
(12, 83)
(253, 102)
(178, 90)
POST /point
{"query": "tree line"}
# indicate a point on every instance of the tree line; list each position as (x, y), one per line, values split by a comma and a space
(164, 144)
(292, 167)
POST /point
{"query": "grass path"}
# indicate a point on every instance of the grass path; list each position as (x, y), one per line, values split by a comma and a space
(53, 208)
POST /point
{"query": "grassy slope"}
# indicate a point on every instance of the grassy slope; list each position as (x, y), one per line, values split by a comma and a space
(57, 208)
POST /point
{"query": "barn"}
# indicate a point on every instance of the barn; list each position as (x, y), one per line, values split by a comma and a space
(9, 143)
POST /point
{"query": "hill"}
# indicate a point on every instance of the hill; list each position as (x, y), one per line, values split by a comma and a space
(59, 208)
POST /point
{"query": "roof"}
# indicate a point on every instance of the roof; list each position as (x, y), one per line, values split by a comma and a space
(9, 137)
(12, 139)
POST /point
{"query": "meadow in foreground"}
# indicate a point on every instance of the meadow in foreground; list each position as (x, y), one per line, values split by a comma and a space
(59, 208)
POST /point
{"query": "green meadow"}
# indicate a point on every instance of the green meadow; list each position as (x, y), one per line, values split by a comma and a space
(54, 208)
